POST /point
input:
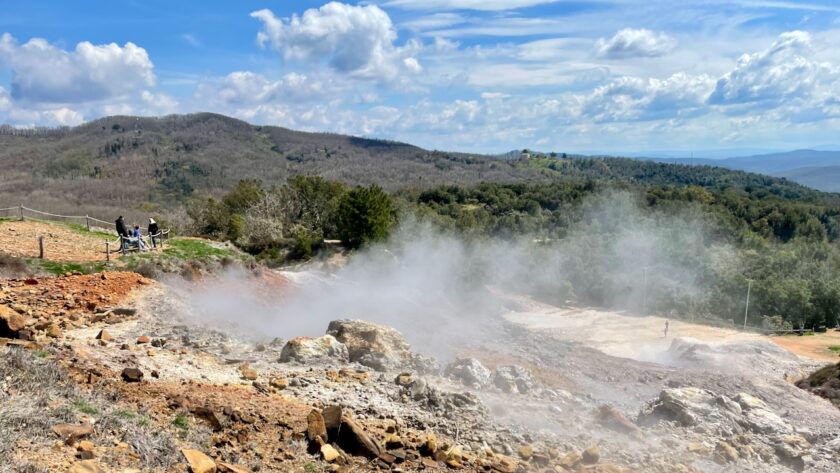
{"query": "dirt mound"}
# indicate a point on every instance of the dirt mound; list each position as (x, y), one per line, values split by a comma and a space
(824, 383)
(61, 242)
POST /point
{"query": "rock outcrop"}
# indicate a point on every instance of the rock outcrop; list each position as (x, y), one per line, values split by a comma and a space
(470, 372)
(513, 379)
(305, 349)
(373, 345)
(10, 322)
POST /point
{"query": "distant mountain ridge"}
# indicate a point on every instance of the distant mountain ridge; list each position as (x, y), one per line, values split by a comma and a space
(813, 168)
(144, 165)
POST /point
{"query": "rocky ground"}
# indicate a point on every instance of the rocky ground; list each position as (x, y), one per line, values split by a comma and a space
(115, 372)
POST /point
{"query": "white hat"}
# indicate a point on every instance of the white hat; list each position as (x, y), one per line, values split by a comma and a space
(151, 220)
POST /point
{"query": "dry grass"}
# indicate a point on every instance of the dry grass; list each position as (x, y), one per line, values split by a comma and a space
(35, 394)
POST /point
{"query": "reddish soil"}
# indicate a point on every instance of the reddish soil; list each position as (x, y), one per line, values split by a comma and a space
(66, 295)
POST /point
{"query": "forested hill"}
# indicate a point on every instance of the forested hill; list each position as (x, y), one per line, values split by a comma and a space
(152, 164)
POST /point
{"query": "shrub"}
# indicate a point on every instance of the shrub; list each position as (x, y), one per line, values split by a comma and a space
(364, 216)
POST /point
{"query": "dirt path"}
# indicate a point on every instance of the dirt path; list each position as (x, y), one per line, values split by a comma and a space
(812, 346)
(61, 243)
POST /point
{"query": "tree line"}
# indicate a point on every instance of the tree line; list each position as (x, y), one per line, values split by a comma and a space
(703, 242)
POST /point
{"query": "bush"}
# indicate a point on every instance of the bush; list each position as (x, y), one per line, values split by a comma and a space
(364, 216)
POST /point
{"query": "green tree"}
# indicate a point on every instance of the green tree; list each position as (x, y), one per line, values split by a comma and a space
(242, 197)
(364, 216)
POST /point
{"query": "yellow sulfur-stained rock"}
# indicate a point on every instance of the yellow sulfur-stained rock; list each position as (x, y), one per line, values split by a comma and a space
(199, 462)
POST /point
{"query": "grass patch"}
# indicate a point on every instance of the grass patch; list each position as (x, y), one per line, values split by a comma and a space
(192, 249)
(181, 422)
(41, 354)
(835, 348)
(62, 267)
(85, 407)
(78, 228)
(125, 414)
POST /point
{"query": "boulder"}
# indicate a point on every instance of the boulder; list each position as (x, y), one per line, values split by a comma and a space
(376, 346)
(689, 406)
(316, 428)
(279, 383)
(748, 401)
(470, 372)
(332, 419)
(247, 372)
(54, 331)
(10, 322)
(791, 449)
(199, 462)
(513, 379)
(693, 407)
(305, 349)
(352, 438)
(104, 336)
(132, 375)
(72, 432)
(591, 455)
(329, 453)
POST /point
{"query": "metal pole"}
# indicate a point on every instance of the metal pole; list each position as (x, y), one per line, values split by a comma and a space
(41, 247)
(747, 309)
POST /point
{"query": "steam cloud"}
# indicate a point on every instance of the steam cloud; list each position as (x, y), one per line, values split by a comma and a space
(444, 292)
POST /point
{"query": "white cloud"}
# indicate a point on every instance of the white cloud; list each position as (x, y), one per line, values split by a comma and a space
(431, 22)
(59, 116)
(43, 73)
(158, 103)
(633, 43)
(356, 40)
(249, 88)
(190, 39)
(485, 5)
(633, 98)
(502, 26)
(515, 75)
(783, 73)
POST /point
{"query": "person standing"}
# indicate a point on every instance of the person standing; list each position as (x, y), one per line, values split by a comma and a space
(667, 325)
(153, 232)
(122, 231)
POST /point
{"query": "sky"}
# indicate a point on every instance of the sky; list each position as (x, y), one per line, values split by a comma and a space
(464, 75)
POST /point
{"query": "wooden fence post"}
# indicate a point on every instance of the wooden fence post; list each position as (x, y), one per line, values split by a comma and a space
(21, 212)
(87, 222)
(107, 251)
(41, 247)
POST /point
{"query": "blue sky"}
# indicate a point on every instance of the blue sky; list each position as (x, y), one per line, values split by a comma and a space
(472, 75)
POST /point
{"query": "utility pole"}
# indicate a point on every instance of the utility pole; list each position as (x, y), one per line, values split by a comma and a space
(747, 309)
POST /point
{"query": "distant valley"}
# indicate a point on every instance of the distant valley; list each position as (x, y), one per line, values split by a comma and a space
(813, 168)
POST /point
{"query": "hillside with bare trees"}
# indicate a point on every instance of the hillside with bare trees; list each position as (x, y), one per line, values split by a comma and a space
(153, 164)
